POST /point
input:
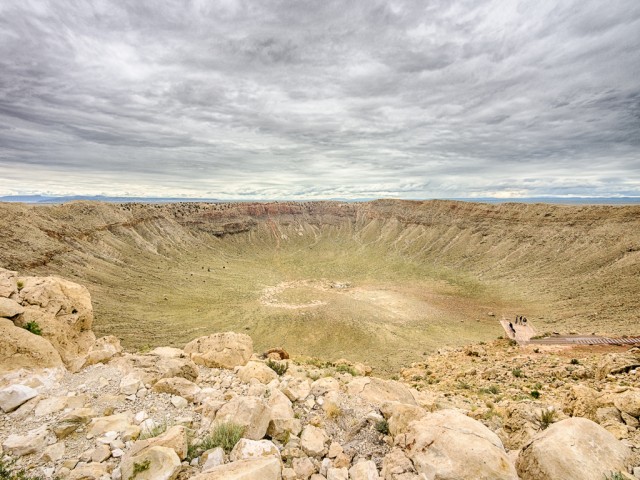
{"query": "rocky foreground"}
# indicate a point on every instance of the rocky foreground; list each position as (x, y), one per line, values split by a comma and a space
(79, 408)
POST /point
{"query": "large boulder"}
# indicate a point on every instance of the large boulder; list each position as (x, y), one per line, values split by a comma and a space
(249, 412)
(151, 367)
(628, 402)
(377, 391)
(13, 396)
(31, 442)
(269, 468)
(20, 348)
(246, 449)
(158, 463)
(174, 439)
(221, 350)
(615, 363)
(10, 308)
(103, 350)
(572, 448)
(449, 445)
(282, 420)
(8, 282)
(257, 370)
(178, 386)
(400, 415)
(64, 313)
(313, 441)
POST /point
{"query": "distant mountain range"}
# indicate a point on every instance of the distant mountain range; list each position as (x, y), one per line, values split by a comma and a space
(44, 199)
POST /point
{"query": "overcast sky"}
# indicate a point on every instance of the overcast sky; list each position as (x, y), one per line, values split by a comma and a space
(320, 99)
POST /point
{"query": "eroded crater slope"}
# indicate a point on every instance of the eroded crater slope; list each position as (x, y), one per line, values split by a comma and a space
(383, 282)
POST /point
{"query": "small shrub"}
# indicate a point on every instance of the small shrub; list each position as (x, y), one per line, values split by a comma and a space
(20, 285)
(382, 426)
(536, 350)
(535, 394)
(158, 429)
(279, 367)
(516, 372)
(342, 368)
(615, 476)
(546, 418)
(492, 389)
(224, 434)
(33, 327)
(574, 361)
(8, 472)
(332, 410)
(463, 385)
(139, 468)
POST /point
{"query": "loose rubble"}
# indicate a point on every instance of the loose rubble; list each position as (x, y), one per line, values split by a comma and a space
(493, 411)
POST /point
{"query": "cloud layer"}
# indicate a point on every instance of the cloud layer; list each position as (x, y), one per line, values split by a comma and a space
(309, 99)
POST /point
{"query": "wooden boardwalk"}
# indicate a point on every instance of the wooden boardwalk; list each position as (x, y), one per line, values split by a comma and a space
(525, 333)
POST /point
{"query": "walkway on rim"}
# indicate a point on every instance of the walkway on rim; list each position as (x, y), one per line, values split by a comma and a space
(525, 333)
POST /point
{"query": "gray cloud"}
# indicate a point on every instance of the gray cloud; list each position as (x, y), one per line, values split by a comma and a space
(307, 99)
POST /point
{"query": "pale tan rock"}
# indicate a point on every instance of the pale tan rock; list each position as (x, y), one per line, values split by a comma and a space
(50, 405)
(396, 466)
(130, 383)
(572, 448)
(64, 312)
(10, 308)
(268, 468)
(282, 421)
(54, 452)
(521, 423)
(246, 449)
(151, 368)
(289, 474)
(257, 370)
(377, 391)
(364, 470)
(90, 471)
(338, 474)
(73, 420)
(303, 468)
(13, 396)
(221, 350)
(335, 449)
(295, 389)
(8, 282)
(313, 440)
(249, 412)
(324, 385)
(583, 401)
(177, 386)
(31, 442)
(628, 402)
(103, 350)
(163, 462)
(399, 415)
(168, 352)
(615, 363)
(212, 458)
(175, 438)
(448, 444)
(20, 348)
(111, 423)
(101, 453)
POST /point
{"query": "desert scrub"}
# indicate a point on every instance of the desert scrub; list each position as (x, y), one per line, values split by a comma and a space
(279, 367)
(139, 468)
(8, 472)
(332, 410)
(20, 285)
(382, 426)
(546, 418)
(615, 476)
(224, 434)
(535, 394)
(574, 361)
(342, 368)
(516, 372)
(157, 429)
(33, 327)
